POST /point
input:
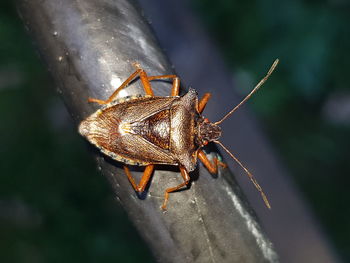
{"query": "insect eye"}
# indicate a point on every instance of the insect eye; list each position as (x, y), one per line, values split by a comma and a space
(206, 120)
(205, 143)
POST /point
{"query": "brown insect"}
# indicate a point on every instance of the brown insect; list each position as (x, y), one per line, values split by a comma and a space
(149, 130)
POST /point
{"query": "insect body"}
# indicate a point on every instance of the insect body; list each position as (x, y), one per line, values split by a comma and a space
(149, 130)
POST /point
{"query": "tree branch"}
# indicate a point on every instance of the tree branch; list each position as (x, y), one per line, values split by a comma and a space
(89, 47)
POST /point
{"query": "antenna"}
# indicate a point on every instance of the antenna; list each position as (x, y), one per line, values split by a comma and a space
(251, 177)
(251, 93)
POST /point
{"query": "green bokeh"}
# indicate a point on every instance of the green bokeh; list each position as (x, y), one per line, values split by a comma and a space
(312, 41)
(47, 215)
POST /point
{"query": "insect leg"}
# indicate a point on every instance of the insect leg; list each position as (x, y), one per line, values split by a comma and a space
(211, 166)
(144, 179)
(203, 102)
(176, 83)
(146, 84)
(185, 176)
(122, 86)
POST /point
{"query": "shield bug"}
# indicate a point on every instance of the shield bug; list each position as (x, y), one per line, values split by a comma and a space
(149, 130)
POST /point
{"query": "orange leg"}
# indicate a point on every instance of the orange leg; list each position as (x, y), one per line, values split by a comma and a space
(211, 166)
(176, 83)
(145, 80)
(122, 86)
(144, 179)
(185, 176)
(203, 102)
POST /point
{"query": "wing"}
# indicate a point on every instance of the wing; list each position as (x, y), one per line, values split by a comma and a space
(106, 129)
(132, 109)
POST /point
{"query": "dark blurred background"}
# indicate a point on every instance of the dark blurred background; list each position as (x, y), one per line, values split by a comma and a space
(55, 206)
(306, 108)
